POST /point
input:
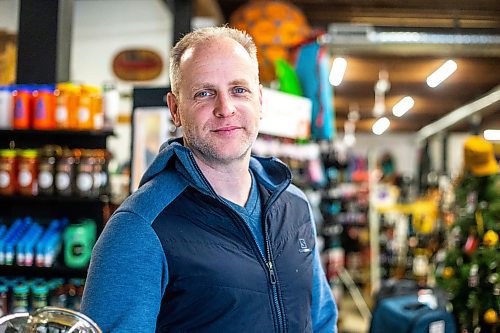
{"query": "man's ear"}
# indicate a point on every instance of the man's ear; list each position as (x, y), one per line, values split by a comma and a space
(260, 99)
(174, 110)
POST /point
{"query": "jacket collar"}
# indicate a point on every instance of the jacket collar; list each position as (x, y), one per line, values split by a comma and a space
(270, 172)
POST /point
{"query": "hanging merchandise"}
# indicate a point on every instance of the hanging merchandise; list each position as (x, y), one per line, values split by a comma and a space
(312, 67)
(469, 270)
(288, 80)
(276, 26)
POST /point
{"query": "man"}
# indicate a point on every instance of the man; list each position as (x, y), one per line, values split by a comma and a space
(214, 240)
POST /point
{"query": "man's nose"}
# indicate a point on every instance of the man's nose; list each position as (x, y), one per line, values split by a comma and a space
(224, 106)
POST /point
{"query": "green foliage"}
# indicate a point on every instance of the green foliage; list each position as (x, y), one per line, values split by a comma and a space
(471, 274)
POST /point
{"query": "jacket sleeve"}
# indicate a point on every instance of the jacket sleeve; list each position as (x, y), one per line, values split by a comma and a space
(323, 310)
(127, 276)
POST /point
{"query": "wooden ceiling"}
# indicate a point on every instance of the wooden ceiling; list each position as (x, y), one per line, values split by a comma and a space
(408, 65)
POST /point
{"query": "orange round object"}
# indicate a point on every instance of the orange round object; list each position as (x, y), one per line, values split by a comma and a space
(276, 27)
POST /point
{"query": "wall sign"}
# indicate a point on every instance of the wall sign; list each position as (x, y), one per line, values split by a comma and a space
(137, 65)
(285, 115)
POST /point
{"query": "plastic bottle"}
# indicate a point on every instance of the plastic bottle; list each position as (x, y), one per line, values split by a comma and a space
(29, 246)
(110, 104)
(6, 107)
(40, 295)
(6, 237)
(23, 110)
(85, 108)
(20, 299)
(79, 240)
(67, 97)
(44, 101)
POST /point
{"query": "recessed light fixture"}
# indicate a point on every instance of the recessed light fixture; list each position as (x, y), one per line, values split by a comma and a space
(337, 72)
(492, 135)
(401, 107)
(381, 125)
(442, 73)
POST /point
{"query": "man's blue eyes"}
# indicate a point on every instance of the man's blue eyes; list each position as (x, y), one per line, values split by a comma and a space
(237, 90)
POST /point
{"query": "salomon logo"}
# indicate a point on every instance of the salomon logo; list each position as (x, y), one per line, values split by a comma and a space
(303, 246)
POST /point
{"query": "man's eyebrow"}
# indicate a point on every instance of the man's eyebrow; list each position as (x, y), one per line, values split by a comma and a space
(238, 82)
(202, 85)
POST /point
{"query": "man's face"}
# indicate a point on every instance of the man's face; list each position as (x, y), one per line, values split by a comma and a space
(219, 102)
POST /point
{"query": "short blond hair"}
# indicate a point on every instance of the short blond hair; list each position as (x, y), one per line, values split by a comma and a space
(201, 36)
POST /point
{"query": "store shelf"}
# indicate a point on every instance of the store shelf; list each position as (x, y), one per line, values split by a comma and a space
(58, 271)
(52, 199)
(70, 138)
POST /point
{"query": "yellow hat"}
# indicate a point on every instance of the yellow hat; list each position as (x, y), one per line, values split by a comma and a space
(479, 158)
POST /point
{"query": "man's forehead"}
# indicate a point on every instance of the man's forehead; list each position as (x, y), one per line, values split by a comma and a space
(223, 43)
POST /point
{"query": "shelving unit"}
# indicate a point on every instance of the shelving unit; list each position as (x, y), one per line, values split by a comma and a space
(91, 139)
(44, 208)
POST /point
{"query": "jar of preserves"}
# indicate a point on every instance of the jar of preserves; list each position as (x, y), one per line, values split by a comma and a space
(47, 169)
(101, 179)
(65, 173)
(85, 175)
(27, 174)
(8, 178)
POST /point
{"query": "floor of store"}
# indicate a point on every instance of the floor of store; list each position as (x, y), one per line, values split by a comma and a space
(350, 319)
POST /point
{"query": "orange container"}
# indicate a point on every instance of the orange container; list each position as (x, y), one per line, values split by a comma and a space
(44, 108)
(67, 96)
(90, 115)
(23, 99)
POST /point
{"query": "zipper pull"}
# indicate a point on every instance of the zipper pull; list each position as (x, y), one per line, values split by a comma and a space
(272, 276)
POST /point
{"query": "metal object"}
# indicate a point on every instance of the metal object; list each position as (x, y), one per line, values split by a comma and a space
(48, 319)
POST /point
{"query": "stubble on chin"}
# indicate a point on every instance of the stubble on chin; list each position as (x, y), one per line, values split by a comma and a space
(215, 152)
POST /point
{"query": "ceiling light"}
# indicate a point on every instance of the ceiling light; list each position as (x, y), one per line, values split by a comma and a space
(441, 74)
(338, 69)
(380, 126)
(401, 107)
(492, 135)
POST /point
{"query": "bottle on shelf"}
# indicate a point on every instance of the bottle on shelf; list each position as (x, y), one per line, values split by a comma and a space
(27, 176)
(44, 104)
(8, 172)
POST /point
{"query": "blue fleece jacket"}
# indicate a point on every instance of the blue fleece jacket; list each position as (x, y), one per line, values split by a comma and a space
(129, 272)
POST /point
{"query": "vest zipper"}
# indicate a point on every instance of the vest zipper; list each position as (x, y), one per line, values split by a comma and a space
(269, 264)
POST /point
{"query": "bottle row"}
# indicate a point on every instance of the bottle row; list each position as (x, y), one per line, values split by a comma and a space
(22, 295)
(53, 170)
(28, 243)
(61, 106)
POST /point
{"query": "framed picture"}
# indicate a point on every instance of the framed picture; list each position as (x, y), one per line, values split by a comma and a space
(151, 126)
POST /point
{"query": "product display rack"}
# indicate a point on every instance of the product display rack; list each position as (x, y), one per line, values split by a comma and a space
(90, 139)
(44, 208)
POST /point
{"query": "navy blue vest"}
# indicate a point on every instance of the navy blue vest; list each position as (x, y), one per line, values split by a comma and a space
(218, 279)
